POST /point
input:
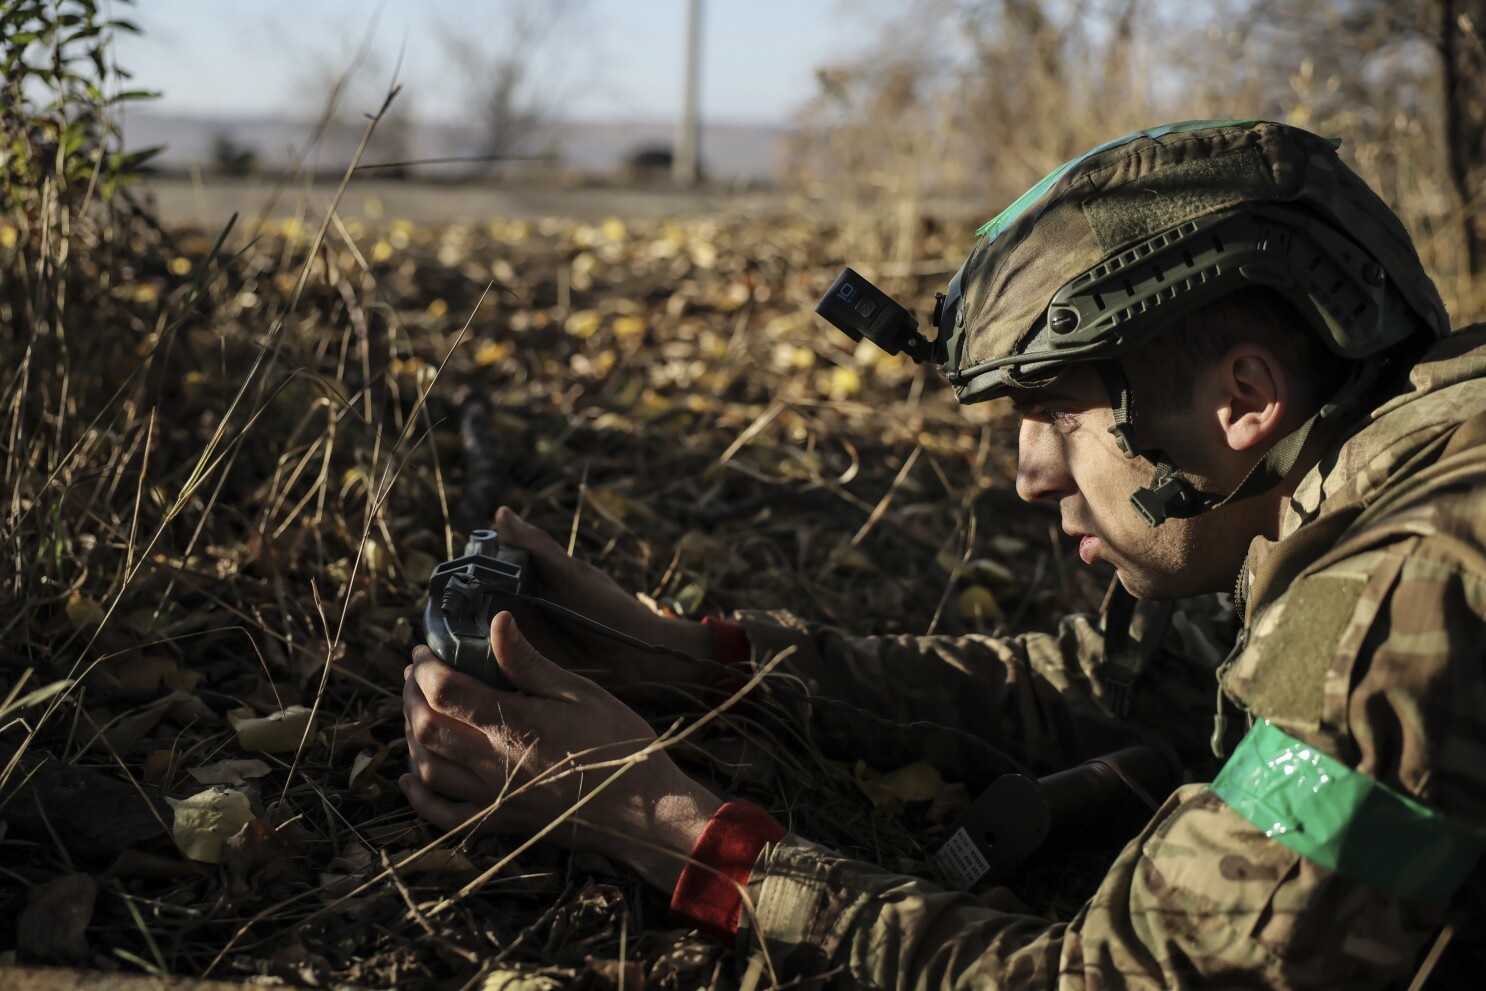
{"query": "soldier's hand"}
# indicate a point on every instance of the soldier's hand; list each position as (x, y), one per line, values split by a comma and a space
(581, 587)
(474, 750)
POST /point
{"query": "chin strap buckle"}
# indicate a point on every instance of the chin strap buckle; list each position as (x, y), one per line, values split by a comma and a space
(1169, 496)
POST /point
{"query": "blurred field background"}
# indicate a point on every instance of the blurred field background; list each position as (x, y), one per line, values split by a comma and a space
(232, 453)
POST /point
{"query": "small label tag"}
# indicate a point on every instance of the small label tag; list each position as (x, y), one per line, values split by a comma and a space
(961, 861)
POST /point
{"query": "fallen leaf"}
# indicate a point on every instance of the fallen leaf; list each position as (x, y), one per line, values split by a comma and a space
(437, 860)
(489, 353)
(278, 733)
(915, 782)
(53, 924)
(365, 783)
(583, 324)
(254, 853)
(978, 603)
(143, 674)
(229, 772)
(515, 980)
(352, 734)
(205, 821)
(156, 867)
(629, 328)
(157, 766)
(840, 383)
(83, 610)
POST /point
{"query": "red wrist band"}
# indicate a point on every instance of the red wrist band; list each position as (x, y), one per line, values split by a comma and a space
(710, 897)
(730, 644)
(730, 647)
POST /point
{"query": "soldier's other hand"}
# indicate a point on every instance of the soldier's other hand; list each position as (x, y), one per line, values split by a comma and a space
(474, 749)
(579, 586)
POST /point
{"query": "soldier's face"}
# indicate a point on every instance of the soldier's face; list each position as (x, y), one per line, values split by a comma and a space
(1067, 455)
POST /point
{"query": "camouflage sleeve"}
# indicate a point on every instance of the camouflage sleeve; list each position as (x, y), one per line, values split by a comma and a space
(1219, 891)
(1043, 697)
(1201, 899)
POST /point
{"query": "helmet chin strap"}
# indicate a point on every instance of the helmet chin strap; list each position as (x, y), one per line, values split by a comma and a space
(1171, 495)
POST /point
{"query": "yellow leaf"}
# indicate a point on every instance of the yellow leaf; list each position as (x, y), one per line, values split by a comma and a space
(979, 603)
(206, 820)
(734, 297)
(438, 860)
(608, 504)
(915, 782)
(140, 292)
(374, 556)
(180, 265)
(703, 254)
(654, 405)
(613, 229)
(381, 251)
(83, 610)
(611, 421)
(437, 308)
(583, 324)
(371, 207)
(273, 734)
(515, 980)
(948, 560)
(513, 232)
(844, 382)
(629, 328)
(491, 352)
(584, 262)
(689, 599)
(9, 236)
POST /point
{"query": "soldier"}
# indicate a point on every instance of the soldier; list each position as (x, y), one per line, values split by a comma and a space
(1233, 374)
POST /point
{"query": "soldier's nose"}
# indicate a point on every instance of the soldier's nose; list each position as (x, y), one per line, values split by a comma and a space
(1041, 469)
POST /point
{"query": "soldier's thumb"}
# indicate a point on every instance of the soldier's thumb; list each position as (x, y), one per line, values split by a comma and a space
(522, 663)
(517, 532)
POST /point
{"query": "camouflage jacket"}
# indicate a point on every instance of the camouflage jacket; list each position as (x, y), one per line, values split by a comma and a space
(1364, 627)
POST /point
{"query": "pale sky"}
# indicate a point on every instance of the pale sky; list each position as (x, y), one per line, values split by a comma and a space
(622, 62)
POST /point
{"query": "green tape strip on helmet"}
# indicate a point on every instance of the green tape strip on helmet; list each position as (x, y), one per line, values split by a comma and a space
(1343, 819)
(993, 227)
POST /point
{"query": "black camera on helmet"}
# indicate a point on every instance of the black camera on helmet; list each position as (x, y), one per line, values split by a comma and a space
(466, 593)
(859, 309)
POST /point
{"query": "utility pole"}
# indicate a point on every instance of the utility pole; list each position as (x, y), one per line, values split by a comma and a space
(684, 152)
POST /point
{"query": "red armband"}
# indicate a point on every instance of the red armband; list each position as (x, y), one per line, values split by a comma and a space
(730, 644)
(730, 647)
(709, 893)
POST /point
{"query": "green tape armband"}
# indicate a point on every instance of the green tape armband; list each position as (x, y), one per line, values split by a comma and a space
(1343, 819)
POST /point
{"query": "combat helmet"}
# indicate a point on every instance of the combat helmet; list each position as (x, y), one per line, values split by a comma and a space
(1111, 247)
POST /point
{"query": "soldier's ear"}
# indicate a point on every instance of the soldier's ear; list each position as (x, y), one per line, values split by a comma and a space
(1251, 393)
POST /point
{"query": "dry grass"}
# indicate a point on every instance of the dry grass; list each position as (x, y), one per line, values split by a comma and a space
(232, 465)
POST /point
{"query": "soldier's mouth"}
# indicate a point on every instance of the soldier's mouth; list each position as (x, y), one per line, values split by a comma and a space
(1089, 545)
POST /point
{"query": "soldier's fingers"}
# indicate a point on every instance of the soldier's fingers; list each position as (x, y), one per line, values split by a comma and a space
(536, 676)
(460, 696)
(519, 533)
(444, 776)
(440, 732)
(443, 813)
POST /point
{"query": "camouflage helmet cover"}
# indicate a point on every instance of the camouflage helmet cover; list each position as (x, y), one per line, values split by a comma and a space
(1139, 209)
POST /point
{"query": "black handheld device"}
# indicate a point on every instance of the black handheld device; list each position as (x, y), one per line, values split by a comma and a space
(466, 593)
